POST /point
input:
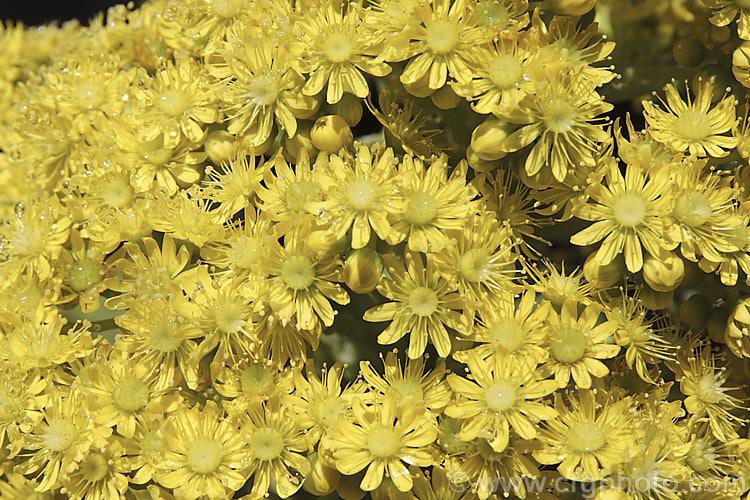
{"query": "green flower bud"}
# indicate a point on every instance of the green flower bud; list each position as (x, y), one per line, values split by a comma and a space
(362, 270)
(603, 276)
(479, 164)
(573, 7)
(349, 108)
(689, 52)
(487, 139)
(323, 242)
(331, 133)
(663, 276)
(445, 98)
(220, 147)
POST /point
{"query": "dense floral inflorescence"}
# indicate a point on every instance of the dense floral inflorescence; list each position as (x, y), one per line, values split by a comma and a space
(216, 214)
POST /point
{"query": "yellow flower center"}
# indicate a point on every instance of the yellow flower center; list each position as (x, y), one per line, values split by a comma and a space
(362, 194)
(59, 435)
(244, 251)
(383, 442)
(84, 273)
(708, 389)
(693, 209)
(326, 410)
(492, 13)
(441, 36)
(263, 90)
(256, 379)
(423, 301)
(266, 443)
(173, 102)
(298, 272)
(130, 394)
(164, 336)
(474, 265)
(300, 193)
(568, 345)
(94, 467)
(422, 208)
(507, 334)
(204, 455)
(230, 317)
(90, 95)
(558, 115)
(408, 388)
(630, 210)
(338, 47)
(116, 191)
(500, 396)
(701, 456)
(585, 437)
(505, 71)
(693, 125)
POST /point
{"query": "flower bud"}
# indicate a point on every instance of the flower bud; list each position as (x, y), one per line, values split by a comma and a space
(349, 108)
(331, 133)
(362, 270)
(246, 143)
(445, 98)
(323, 242)
(603, 276)
(487, 139)
(741, 64)
(663, 275)
(479, 164)
(689, 52)
(293, 146)
(573, 7)
(220, 147)
(737, 333)
(320, 480)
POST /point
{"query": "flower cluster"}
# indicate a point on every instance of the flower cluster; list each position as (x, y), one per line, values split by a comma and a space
(253, 248)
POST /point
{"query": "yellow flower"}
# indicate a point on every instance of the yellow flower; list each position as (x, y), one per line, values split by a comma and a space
(147, 277)
(187, 215)
(274, 443)
(335, 49)
(21, 402)
(161, 335)
(180, 100)
(233, 185)
(301, 282)
(279, 338)
(33, 237)
(423, 305)
(488, 471)
(380, 437)
(707, 396)
(576, 343)
(360, 191)
(501, 80)
(503, 395)
(480, 259)
(319, 400)
(694, 126)
(84, 266)
(40, 342)
(15, 485)
(589, 437)
(102, 473)
(643, 341)
(246, 382)
(505, 18)
(446, 40)
(432, 201)
(509, 328)
(412, 385)
(564, 116)
(121, 390)
(204, 453)
(260, 88)
(288, 192)
(56, 445)
(628, 212)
